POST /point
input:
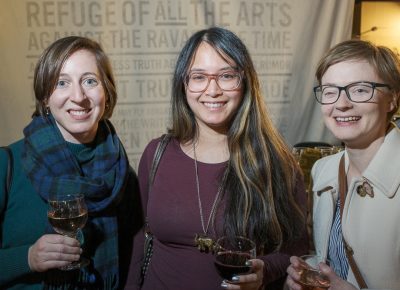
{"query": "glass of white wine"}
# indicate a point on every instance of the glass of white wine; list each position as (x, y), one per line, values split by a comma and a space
(67, 214)
(311, 278)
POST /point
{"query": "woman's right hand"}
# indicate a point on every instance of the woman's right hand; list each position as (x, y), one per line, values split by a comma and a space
(294, 273)
(53, 251)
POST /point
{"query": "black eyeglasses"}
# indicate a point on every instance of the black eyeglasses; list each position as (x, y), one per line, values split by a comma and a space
(358, 92)
(198, 82)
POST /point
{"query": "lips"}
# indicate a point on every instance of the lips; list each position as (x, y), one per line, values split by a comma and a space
(78, 112)
(213, 105)
(81, 114)
(347, 119)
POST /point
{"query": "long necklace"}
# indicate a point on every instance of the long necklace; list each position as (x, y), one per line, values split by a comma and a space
(203, 242)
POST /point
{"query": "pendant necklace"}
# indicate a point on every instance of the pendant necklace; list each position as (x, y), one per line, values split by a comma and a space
(203, 242)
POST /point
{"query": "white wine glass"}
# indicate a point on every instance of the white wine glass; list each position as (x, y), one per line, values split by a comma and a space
(67, 214)
(311, 278)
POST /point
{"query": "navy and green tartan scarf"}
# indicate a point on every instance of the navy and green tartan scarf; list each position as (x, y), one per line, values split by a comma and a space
(52, 167)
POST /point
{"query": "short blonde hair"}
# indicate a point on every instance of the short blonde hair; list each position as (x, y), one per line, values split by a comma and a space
(385, 62)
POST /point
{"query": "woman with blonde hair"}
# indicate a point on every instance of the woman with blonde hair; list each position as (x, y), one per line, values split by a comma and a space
(357, 191)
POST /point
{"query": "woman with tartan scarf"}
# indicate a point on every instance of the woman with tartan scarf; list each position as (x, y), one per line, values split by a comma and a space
(69, 146)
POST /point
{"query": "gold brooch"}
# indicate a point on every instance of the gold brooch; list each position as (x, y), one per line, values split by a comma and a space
(365, 189)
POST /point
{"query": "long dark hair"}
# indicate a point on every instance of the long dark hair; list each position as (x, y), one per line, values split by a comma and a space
(262, 172)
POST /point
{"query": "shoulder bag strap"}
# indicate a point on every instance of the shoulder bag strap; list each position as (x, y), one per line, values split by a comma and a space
(157, 157)
(148, 240)
(154, 165)
(9, 174)
(349, 251)
(10, 166)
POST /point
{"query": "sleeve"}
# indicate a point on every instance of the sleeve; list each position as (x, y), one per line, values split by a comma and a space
(133, 280)
(13, 260)
(130, 222)
(275, 264)
(3, 176)
(14, 264)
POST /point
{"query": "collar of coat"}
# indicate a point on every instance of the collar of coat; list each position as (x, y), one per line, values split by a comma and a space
(383, 172)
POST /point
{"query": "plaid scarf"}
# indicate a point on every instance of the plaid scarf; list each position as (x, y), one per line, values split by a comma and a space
(52, 167)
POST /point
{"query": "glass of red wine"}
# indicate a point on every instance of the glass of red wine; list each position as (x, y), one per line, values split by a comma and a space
(231, 255)
(67, 214)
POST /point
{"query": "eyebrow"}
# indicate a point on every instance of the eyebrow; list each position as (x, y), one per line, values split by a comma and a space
(355, 82)
(228, 68)
(83, 75)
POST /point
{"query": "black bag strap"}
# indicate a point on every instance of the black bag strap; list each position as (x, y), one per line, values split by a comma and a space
(9, 175)
(157, 157)
(10, 167)
(148, 241)
(154, 165)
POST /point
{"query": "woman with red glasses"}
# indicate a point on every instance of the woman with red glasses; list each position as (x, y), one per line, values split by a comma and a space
(225, 172)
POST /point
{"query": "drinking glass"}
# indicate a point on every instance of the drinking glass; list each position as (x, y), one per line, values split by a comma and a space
(231, 255)
(306, 157)
(67, 214)
(311, 277)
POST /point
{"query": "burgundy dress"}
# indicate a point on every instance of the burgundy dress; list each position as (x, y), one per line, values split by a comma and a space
(172, 209)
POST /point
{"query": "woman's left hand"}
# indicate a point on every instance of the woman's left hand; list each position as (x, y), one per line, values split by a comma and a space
(252, 281)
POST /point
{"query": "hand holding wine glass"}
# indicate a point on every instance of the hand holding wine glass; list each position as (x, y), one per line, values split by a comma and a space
(232, 256)
(52, 251)
(67, 213)
(305, 271)
(311, 278)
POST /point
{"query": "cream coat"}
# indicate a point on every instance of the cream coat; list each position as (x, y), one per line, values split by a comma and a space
(371, 226)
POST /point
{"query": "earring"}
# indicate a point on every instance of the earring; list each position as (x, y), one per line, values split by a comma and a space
(47, 111)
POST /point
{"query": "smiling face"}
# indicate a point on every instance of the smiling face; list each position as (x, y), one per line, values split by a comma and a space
(214, 108)
(78, 101)
(356, 124)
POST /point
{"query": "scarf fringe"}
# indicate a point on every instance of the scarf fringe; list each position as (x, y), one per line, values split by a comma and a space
(78, 280)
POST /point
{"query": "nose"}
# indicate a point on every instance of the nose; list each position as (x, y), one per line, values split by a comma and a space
(343, 100)
(213, 89)
(78, 93)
